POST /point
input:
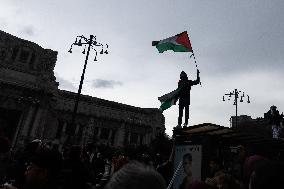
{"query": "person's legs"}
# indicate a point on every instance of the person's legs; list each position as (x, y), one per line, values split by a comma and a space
(180, 113)
(186, 114)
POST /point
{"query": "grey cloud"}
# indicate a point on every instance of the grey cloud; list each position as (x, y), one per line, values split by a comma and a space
(241, 42)
(28, 30)
(65, 84)
(102, 83)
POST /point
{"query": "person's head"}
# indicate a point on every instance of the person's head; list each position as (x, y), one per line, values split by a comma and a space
(214, 165)
(196, 184)
(4, 144)
(146, 159)
(267, 174)
(135, 175)
(273, 108)
(43, 166)
(250, 164)
(33, 146)
(183, 76)
(187, 163)
(225, 180)
(75, 153)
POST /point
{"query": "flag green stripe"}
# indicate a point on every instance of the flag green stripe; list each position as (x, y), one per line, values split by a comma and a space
(170, 101)
(170, 46)
(166, 104)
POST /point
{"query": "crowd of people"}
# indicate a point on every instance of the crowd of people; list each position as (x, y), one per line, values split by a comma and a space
(43, 166)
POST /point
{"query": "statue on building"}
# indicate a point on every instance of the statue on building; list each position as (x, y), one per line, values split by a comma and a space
(185, 85)
(276, 121)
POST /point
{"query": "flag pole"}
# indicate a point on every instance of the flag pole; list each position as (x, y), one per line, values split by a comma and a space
(195, 62)
(193, 57)
(175, 174)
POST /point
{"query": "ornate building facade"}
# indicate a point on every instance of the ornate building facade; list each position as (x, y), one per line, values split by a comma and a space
(32, 106)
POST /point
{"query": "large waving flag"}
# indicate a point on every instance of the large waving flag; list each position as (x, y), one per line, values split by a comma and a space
(177, 43)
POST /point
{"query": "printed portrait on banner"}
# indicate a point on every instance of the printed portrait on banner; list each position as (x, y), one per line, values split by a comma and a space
(189, 159)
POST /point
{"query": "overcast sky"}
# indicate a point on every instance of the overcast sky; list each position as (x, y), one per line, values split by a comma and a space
(237, 44)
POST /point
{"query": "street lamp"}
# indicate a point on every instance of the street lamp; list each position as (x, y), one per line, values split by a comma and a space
(90, 43)
(236, 94)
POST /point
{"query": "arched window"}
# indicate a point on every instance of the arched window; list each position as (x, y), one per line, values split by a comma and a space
(24, 55)
(3, 53)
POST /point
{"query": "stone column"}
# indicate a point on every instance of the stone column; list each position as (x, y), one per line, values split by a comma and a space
(18, 130)
(110, 134)
(27, 121)
(63, 134)
(64, 128)
(148, 138)
(129, 137)
(138, 140)
(91, 129)
(77, 129)
(41, 128)
(99, 133)
(119, 136)
(36, 124)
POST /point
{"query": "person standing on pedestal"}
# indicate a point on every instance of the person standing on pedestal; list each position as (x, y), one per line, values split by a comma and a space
(184, 96)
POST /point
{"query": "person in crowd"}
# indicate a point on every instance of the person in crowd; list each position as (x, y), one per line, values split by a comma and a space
(237, 163)
(5, 156)
(146, 159)
(43, 170)
(5, 144)
(196, 184)
(118, 161)
(166, 168)
(22, 159)
(41, 173)
(135, 175)
(214, 167)
(222, 180)
(267, 174)
(74, 172)
(249, 165)
(99, 164)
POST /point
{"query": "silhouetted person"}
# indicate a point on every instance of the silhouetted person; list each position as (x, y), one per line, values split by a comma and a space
(135, 175)
(267, 174)
(43, 170)
(184, 95)
(274, 119)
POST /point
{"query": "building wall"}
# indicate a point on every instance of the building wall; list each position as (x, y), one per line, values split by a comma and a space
(261, 126)
(29, 92)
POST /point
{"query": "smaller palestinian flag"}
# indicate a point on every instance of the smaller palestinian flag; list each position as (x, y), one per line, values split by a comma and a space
(177, 43)
(168, 99)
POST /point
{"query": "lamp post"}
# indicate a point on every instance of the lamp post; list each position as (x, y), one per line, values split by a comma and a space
(90, 43)
(236, 94)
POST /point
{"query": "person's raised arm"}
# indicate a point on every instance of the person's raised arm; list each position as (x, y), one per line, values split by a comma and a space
(197, 81)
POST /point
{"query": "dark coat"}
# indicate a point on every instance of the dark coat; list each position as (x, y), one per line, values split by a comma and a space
(185, 87)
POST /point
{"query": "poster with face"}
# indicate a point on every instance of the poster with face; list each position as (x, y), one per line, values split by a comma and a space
(189, 159)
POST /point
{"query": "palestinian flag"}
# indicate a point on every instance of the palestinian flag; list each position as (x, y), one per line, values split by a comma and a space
(168, 99)
(177, 43)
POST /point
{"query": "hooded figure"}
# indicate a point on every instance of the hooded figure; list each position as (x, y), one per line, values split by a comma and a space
(184, 96)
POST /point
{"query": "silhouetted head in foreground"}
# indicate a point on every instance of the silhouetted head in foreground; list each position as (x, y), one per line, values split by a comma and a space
(43, 168)
(136, 175)
(267, 174)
